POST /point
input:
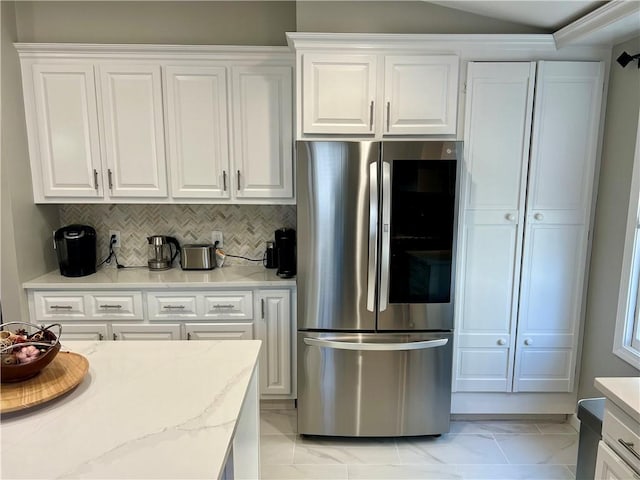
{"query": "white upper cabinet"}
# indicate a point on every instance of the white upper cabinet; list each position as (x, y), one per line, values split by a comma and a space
(131, 98)
(197, 134)
(156, 124)
(262, 132)
(378, 95)
(63, 130)
(525, 222)
(420, 94)
(339, 93)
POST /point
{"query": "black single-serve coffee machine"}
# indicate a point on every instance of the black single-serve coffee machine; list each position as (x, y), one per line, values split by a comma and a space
(76, 250)
(286, 252)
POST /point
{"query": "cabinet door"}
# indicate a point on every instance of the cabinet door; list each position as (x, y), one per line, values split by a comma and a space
(219, 331)
(610, 466)
(563, 154)
(166, 331)
(131, 99)
(420, 94)
(273, 328)
(497, 126)
(197, 134)
(63, 123)
(338, 93)
(263, 132)
(96, 331)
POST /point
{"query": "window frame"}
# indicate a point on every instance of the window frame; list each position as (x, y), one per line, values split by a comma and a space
(626, 340)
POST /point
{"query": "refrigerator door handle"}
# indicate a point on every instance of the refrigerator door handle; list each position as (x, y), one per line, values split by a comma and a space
(386, 235)
(339, 345)
(373, 235)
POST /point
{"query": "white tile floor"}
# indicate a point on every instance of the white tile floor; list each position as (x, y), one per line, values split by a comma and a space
(472, 450)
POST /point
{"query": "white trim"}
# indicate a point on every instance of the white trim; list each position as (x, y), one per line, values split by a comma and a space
(594, 22)
(629, 282)
(513, 403)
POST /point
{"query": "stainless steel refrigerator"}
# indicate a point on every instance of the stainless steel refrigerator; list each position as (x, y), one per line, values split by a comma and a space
(376, 241)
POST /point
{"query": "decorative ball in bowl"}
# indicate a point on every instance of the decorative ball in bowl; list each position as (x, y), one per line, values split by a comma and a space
(25, 349)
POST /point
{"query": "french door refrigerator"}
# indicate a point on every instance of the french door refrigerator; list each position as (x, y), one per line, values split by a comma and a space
(376, 240)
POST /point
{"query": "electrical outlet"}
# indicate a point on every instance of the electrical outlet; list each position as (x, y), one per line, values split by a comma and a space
(117, 235)
(216, 236)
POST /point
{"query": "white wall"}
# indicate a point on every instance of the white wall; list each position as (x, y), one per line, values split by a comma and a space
(26, 247)
(621, 125)
(396, 17)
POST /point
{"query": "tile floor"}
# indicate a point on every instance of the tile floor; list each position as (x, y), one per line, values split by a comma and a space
(472, 450)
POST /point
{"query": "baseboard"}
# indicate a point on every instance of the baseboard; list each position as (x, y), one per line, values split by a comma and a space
(277, 404)
(574, 421)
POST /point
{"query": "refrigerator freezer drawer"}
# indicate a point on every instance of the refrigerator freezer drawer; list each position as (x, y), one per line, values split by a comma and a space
(374, 385)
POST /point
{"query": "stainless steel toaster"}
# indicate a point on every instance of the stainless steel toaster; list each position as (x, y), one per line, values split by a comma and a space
(200, 256)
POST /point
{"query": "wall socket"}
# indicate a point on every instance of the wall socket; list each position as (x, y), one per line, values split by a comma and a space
(117, 234)
(216, 236)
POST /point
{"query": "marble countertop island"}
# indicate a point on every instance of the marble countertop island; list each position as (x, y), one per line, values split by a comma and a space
(113, 278)
(163, 409)
(623, 391)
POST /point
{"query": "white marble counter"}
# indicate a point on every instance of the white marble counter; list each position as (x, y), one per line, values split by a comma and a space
(113, 278)
(145, 410)
(623, 391)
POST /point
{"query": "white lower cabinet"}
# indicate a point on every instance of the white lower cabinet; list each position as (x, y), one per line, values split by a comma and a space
(180, 314)
(218, 331)
(145, 331)
(88, 332)
(610, 466)
(273, 327)
(525, 211)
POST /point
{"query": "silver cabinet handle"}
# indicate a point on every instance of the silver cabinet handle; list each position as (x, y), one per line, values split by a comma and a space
(60, 307)
(110, 174)
(373, 234)
(262, 306)
(107, 306)
(219, 305)
(502, 341)
(387, 347)
(629, 447)
(173, 307)
(224, 180)
(95, 179)
(238, 180)
(528, 341)
(388, 114)
(510, 217)
(386, 236)
(371, 116)
(538, 216)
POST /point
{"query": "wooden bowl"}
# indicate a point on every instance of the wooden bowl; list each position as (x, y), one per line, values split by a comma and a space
(24, 371)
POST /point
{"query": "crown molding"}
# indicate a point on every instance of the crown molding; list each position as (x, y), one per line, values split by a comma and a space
(618, 19)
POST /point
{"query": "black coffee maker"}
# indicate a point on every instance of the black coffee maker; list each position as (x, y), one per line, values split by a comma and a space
(76, 249)
(286, 252)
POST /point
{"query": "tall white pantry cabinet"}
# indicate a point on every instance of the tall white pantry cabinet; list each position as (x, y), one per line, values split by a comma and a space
(530, 150)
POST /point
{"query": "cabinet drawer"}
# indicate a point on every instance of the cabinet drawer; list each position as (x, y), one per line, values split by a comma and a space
(621, 432)
(59, 305)
(166, 307)
(219, 331)
(71, 331)
(229, 306)
(121, 305)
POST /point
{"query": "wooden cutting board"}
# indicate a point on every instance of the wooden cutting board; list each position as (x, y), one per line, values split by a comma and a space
(64, 373)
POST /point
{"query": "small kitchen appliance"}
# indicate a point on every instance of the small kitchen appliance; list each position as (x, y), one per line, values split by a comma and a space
(76, 250)
(163, 250)
(286, 252)
(198, 256)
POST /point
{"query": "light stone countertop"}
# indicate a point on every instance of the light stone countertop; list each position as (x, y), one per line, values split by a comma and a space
(623, 391)
(162, 409)
(136, 278)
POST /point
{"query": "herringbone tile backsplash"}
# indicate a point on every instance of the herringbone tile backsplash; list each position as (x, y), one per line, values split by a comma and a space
(245, 228)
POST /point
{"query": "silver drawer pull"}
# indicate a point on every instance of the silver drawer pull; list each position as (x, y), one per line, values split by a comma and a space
(60, 307)
(173, 307)
(223, 306)
(105, 306)
(629, 447)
